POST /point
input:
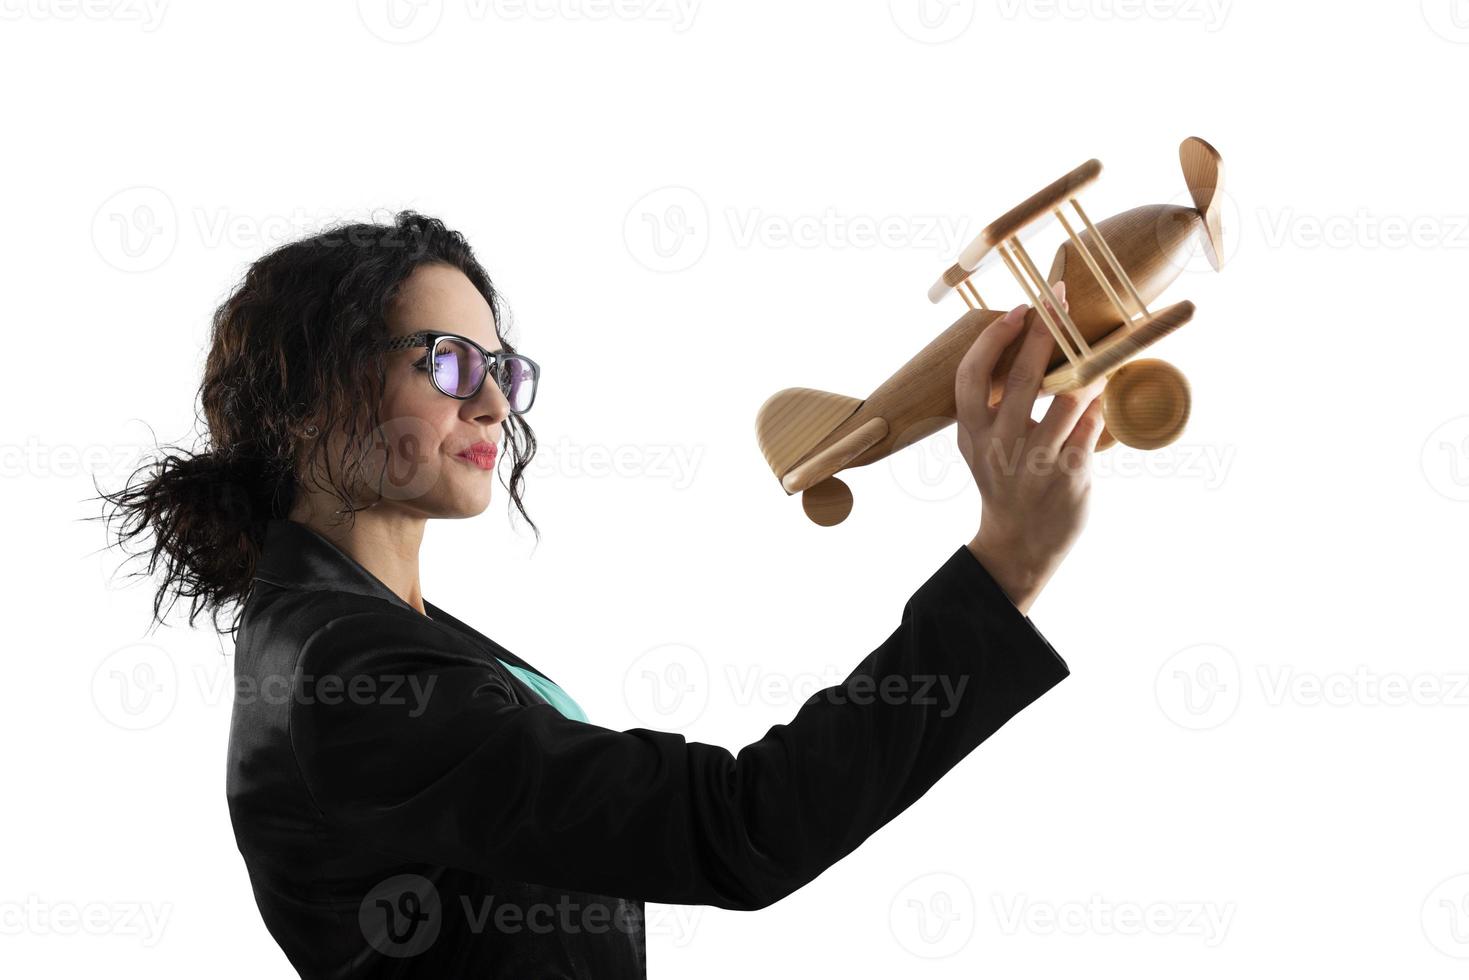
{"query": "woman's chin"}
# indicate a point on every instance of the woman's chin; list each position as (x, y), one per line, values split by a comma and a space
(470, 501)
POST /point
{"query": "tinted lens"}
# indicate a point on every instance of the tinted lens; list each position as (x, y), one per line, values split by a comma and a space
(517, 381)
(458, 368)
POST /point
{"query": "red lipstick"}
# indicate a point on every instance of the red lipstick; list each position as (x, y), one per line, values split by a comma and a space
(481, 454)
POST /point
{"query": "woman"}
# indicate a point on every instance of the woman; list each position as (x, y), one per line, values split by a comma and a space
(412, 799)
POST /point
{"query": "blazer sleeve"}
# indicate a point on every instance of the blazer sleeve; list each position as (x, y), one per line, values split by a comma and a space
(431, 759)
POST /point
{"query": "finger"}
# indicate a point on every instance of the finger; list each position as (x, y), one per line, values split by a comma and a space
(1023, 380)
(1065, 410)
(975, 375)
(1088, 428)
(1060, 290)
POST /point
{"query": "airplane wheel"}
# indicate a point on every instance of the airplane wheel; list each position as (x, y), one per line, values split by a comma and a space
(1146, 403)
(828, 502)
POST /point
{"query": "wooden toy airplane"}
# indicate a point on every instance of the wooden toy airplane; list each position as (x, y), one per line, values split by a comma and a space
(809, 435)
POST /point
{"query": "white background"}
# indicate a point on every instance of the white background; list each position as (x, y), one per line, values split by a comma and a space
(1256, 766)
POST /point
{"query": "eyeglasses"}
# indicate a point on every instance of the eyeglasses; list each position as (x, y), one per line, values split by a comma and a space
(461, 366)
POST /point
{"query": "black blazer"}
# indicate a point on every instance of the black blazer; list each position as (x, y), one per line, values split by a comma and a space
(406, 806)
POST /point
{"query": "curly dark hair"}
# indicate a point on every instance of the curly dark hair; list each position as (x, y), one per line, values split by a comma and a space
(295, 341)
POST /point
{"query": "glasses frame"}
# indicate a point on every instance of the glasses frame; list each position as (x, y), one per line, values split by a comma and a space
(431, 339)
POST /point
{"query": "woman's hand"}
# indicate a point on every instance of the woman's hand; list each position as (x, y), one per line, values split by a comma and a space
(1034, 478)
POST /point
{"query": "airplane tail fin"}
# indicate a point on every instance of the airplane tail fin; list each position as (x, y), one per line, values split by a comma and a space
(793, 420)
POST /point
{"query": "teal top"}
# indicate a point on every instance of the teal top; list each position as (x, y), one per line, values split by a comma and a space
(547, 689)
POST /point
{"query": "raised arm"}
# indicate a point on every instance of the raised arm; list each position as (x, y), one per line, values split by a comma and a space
(451, 771)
